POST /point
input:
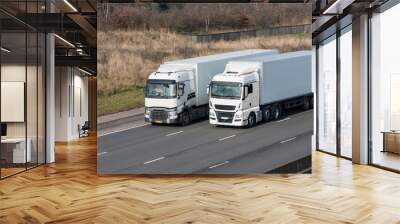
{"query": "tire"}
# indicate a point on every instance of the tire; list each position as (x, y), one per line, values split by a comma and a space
(306, 105)
(185, 119)
(266, 114)
(251, 121)
(276, 113)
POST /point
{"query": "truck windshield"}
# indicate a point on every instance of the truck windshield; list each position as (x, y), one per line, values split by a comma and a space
(226, 90)
(161, 89)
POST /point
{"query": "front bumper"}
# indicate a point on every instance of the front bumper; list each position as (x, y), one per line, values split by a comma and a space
(162, 121)
(161, 117)
(235, 123)
(218, 119)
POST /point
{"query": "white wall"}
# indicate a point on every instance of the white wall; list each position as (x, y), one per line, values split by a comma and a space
(62, 82)
(80, 110)
(71, 87)
(13, 73)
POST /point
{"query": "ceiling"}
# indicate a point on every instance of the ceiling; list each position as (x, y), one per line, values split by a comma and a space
(73, 21)
(327, 13)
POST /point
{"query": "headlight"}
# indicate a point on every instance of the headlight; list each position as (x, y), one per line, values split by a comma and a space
(146, 111)
(173, 113)
(238, 115)
(212, 113)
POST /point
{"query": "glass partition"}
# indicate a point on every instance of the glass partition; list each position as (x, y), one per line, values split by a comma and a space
(22, 107)
(346, 92)
(327, 95)
(13, 105)
(385, 89)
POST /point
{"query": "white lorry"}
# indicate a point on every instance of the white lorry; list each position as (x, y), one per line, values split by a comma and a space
(177, 91)
(260, 89)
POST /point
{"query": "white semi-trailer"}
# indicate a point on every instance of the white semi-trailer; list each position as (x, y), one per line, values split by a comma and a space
(260, 89)
(177, 91)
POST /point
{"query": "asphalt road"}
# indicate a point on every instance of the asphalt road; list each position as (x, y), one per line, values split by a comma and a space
(203, 149)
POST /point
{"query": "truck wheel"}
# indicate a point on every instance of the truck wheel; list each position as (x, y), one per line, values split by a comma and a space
(266, 114)
(276, 113)
(251, 121)
(306, 105)
(185, 119)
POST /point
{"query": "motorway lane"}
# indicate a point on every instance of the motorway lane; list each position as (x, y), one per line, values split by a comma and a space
(122, 124)
(195, 159)
(143, 133)
(167, 141)
(171, 149)
(264, 159)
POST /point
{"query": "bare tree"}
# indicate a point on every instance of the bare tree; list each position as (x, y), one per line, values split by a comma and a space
(207, 23)
(193, 17)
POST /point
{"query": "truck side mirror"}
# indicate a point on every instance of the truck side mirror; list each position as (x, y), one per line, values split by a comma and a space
(208, 90)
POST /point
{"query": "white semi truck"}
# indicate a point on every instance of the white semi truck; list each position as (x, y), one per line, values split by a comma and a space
(177, 92)
(260, 89)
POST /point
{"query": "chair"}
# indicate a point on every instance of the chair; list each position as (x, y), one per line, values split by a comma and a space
(84, 130)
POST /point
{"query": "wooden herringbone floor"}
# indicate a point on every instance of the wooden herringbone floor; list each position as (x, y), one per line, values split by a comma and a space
(70, 191)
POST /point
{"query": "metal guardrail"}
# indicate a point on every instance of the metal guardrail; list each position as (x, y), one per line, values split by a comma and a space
(270, 31)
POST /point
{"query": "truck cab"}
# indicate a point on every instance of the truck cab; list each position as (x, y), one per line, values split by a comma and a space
(234, 96)
(168, 92)
(260, 89)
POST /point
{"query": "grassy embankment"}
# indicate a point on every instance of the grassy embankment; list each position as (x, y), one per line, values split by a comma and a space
(126, 58)
(120, 101)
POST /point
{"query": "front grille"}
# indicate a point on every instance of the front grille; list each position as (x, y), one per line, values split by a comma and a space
(224, 107)
(159, 115)
(225, 117)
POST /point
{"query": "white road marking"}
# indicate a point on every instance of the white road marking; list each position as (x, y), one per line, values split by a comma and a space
(154, 160)
(174, 133)
(126, 129)
(293, 116)
(101, 153)
(217, 165)
(288, 118)
(221, 139)
(288, 140)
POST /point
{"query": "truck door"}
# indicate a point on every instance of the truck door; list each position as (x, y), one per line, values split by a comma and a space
(252, 98)
(190, 88)
(191, 94)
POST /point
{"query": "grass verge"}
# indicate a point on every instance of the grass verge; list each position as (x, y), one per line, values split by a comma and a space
(122, 100)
